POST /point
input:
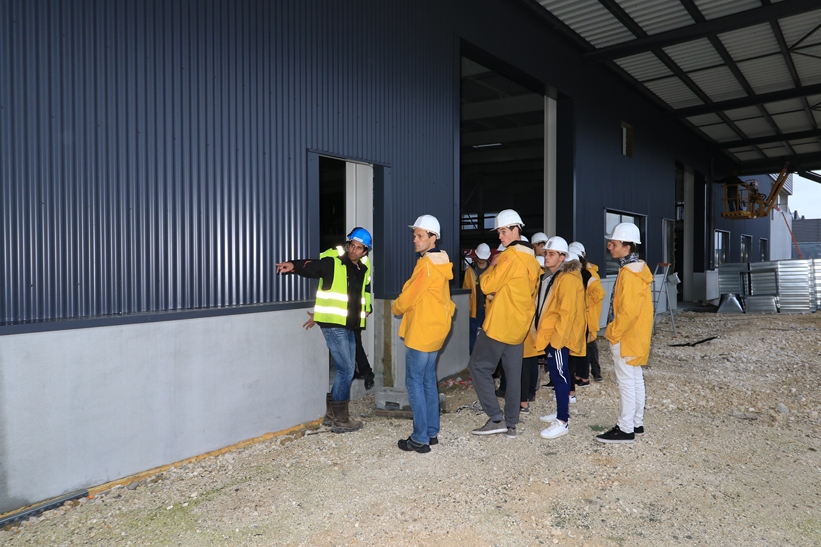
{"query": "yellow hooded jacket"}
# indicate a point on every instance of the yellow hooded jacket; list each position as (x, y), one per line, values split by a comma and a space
(563, 320)
(425, 304)
(512, 282)
(593, 299)
(471, 282)
(632, 324)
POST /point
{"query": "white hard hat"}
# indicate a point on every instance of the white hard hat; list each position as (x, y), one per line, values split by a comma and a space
(540, 260)
(557, 244)
(571, 256)
(626, 231)
(577, 248)
(539, 237)
(427, 223)
(522, 238)
(507, 217)
(483, 251)
(501, 248)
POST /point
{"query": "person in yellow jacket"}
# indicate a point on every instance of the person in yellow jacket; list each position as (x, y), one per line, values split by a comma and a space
(477, 297)
(427, 311)
(511, 281)
(561, 329)
(593, 297)
(629, 330)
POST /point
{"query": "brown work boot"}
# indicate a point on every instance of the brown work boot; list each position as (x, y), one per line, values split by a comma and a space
(342, 423)
(329, 414)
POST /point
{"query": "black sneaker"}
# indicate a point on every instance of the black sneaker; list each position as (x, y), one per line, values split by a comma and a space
(639, 431)
(616, 435)
(598, 378)
(433, 441)
(409, 445)
(500, 393)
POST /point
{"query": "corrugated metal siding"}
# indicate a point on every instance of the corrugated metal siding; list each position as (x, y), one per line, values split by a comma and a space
(590, 20)
(767, 74)
(694, 55)
(644, 66)
(750, 42)
(796, 27)
(713, 9)
(153, 153)
(657, 16)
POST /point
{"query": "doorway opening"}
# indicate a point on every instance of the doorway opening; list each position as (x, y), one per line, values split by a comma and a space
(502, 154)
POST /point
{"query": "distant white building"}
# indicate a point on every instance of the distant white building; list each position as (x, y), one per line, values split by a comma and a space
(781, 245)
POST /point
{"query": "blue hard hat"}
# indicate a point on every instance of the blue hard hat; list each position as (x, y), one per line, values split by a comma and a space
(362, 236)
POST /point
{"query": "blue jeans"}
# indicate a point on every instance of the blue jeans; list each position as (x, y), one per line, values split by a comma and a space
(475, 325)
(423, 395)
(342, 344)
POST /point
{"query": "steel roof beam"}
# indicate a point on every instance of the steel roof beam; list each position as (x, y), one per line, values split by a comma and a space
(752, 100)
(783, 137)
(735, 21)
(798, 162)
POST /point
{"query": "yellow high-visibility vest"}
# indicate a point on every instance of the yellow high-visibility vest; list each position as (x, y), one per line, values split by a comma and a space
(332, 305)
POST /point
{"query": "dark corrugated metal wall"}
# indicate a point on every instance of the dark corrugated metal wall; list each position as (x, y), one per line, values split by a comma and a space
(153, 154)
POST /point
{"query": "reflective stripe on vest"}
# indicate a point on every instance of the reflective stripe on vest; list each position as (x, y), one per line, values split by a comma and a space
(332, 304)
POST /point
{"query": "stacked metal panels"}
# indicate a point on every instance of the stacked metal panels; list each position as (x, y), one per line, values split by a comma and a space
(815, 282)
(734, 278)
(794, 286)
(763, 279)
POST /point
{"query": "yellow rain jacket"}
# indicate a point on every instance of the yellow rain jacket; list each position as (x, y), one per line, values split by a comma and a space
(632, 324)
(471, 282)
(593, 299)
(563, 322)
(425, 304)
(512, 283)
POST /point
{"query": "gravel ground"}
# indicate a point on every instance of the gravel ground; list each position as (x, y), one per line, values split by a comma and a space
(731, 457)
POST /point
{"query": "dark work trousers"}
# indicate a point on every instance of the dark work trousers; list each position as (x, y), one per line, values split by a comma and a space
(578, 367)
(531, 365)
(593, 358)
(363, 367)
(483, 361)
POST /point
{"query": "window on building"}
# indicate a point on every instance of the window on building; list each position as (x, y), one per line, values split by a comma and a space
(763, 249)
(746, 247)
(627, 139)
(611, 219)
(722, 247)
(668, 241)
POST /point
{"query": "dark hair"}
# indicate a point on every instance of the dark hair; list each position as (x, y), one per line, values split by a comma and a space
(583, 261)
(630, 244)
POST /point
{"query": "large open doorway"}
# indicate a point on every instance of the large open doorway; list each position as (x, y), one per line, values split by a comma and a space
(345, 202)
(502, 159)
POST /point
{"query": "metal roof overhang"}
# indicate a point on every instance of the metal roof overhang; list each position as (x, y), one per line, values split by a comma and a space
(745, 75)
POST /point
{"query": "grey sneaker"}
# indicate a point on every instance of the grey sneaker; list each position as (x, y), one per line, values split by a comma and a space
(510, 433)
(490, 428)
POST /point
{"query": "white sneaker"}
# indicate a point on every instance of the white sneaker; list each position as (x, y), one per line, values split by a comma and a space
(556, 429)
(572, 399)
(549, 417)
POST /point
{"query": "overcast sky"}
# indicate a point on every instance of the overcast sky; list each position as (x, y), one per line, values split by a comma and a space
(806, 197)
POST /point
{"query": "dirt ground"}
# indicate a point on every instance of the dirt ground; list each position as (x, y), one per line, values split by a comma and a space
(731, 457)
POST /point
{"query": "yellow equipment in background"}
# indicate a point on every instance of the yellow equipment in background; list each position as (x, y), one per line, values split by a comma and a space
(743, 200)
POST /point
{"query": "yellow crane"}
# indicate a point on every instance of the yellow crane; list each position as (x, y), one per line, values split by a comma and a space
(742, 200)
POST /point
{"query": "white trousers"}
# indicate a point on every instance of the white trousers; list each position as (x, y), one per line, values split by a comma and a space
(631, 389)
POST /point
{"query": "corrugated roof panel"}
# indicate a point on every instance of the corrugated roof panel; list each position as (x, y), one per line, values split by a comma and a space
(743, 113)
(807, 148)
(791, 105)
(720, 132)
(673, 92)
(817, 115)
(796, 27)
(718, 83)
(747, 156)
(767, 74)
(644, 66)
(809, 68)
(590, 20)
(656, 16)
(694, 55)
(705, 119)
(754, 127)
(713, 9)
(792, 121)
(750, 42)
(775, 151)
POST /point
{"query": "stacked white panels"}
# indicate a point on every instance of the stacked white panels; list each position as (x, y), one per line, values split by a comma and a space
(763, 279)
(794, 286)
(733, 278)
(815, 282)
